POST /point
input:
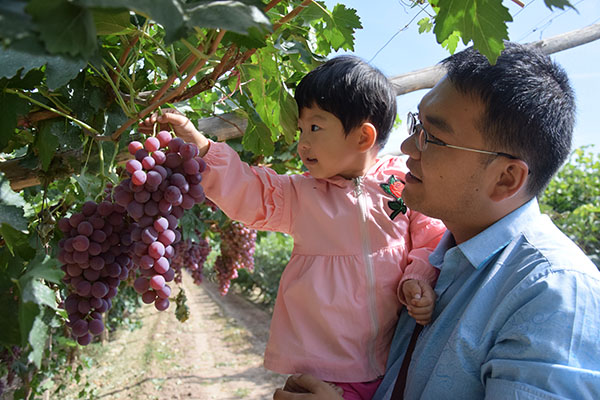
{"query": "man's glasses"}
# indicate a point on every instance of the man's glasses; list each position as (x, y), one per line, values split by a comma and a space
(422, 138)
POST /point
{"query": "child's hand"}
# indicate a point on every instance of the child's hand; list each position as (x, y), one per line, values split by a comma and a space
(181, 125)
(420, 300)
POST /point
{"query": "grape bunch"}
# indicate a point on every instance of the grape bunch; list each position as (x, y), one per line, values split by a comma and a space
(163, 181)
(238, 243)
(94, 253)
(191, 255)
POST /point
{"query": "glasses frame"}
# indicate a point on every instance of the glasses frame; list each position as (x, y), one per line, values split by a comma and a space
(422, 137)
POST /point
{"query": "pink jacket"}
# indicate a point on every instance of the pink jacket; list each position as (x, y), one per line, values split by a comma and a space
(337, 304)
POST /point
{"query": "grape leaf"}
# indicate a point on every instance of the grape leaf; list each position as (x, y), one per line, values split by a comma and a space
(14, 21)
(43, 267)
(11, 106)
(346, 21)
(37, 339)
(77, 38)
(288, 117)
(235, 16)
(168, 13)
(28, 54)
(257, 137)
(46, 144)
(111, 22)
(558, 4)
(482, 21)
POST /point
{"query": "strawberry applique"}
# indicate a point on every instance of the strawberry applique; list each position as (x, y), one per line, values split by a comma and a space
(394, 187)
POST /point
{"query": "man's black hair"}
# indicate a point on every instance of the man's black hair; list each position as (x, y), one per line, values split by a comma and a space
(353, 91)
(529, 106)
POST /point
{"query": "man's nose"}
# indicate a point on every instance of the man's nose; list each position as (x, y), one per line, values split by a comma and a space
(409, 147)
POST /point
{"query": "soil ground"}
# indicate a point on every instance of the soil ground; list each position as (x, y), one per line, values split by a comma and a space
(215, 355)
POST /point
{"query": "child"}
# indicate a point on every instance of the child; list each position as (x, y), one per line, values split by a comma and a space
(339, 295)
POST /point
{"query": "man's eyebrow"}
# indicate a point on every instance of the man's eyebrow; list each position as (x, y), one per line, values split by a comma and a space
(439, 123)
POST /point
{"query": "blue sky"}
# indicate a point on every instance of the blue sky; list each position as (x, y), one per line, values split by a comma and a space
(394, 50)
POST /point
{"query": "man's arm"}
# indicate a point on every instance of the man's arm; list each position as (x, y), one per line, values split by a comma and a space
(306, 387)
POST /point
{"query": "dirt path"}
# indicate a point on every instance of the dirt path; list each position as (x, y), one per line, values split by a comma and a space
(215, 355)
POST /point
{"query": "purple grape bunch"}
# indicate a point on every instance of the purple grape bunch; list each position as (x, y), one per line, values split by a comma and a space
(94, 253)
(192, 256)
(238, 243)
(163, 181)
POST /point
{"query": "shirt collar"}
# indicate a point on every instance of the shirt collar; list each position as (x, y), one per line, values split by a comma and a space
(480, 248)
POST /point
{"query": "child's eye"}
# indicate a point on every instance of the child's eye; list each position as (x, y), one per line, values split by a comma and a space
(314, 128)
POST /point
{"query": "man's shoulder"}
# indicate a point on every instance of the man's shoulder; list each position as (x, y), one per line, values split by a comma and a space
(548, 250)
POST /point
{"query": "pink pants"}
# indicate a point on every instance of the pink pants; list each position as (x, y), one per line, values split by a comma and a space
(359, 391)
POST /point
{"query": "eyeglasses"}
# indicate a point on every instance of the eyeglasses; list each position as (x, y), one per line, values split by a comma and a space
(422, 137)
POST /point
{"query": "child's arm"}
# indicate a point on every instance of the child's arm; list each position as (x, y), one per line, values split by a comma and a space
(420, 300)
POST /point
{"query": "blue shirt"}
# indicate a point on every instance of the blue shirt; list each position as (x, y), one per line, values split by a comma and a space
(517, 316)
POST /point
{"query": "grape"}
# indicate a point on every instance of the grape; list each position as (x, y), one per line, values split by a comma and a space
(167, 237)
(141, 154)
(161, 265)
(141, 285)
(188, 151)
(79, 328)
(173, 160)
(156, 250)
(85, 339)
(149, 297)
(89, 208)
(99, 289)
(161, 304)
(152, 144)
(142, 197)
(148, 163)
(164, 137)
(134, 146)
(172, 194)
(133, 165)
(161, 224)
(76, 219)
(81, 243)
(96, 326)
(157, 282)
(138, 178)
(154, 178)
(175, 144)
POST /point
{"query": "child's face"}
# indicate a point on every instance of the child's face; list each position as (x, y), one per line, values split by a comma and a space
(324, 148)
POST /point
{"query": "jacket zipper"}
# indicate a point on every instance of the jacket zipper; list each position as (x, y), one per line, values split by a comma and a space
(370, 275)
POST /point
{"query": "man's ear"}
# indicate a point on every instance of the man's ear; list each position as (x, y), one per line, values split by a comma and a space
(511, 178)
(367, 136)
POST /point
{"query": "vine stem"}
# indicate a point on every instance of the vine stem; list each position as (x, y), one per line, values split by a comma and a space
(54, 110)
(204, 83)
(171, 95)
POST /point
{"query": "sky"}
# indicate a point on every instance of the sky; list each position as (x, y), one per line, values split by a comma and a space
(392, 43)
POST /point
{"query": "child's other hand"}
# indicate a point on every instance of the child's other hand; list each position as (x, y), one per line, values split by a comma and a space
(181, 126)
(420, 300)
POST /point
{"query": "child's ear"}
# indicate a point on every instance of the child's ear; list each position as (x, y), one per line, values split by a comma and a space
(367, 137)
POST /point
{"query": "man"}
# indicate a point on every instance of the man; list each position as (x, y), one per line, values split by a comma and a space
(518, 304)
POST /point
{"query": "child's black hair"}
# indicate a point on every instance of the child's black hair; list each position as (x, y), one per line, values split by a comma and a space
(353, 91)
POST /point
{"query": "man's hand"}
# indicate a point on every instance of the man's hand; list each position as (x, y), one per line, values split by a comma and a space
(420, 300)
(307, 387)
(183, 128)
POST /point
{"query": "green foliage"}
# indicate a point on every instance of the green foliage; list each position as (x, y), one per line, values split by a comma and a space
(273, 251)
(482, 22)
(572, 200)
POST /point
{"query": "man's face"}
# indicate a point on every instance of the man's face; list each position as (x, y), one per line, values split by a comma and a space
(447, 183)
